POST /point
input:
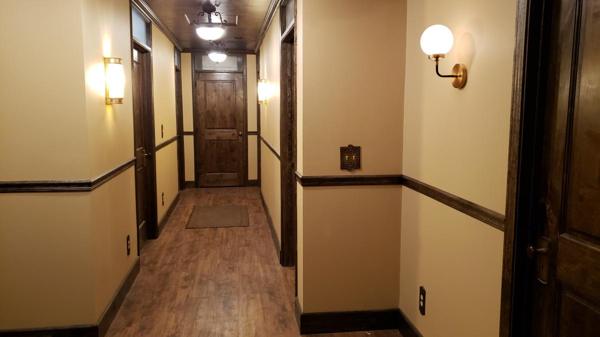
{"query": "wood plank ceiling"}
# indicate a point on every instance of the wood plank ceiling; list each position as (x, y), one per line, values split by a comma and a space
(243, 37)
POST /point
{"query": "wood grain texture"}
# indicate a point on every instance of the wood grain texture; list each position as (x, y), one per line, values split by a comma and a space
(224, 282)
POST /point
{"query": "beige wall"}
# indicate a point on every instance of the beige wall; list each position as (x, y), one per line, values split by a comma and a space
(163, 85)
(458, 260)
(456, 140)
(350, 91)
(270, 168)
(166, 178)
(352, 84)
(57, 80)
(251, 96)
(73, 243)
(188, 114)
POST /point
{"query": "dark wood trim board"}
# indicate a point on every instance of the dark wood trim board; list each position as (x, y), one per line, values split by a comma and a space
(472, 209)
(44, 186)
(271, 226)
(165, 143)
(270, 147)
(89, 330)
(273, 6)
(334, 322)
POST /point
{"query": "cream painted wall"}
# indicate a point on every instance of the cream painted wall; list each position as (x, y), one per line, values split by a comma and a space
(56, 114)
(163, 85)
(352, 84)
(350, 241)
(188, 114)
(166, 178)
(188, 148)
(458, 260)
(252, 157)
(58, 253)
(270, 168)
(251, 94)
(349, 238)
(457, 140)
(74, 242)
(110, 128)
(270, 61)
(270, 186)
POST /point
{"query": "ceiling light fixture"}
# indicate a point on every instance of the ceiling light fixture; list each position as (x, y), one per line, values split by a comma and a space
(213, 28)
(210, 33)
(217, 56)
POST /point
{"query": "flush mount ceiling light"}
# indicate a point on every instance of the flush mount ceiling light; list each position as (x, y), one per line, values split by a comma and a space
(210, 33)
(213, 28)
(217, 56)
(436, 42)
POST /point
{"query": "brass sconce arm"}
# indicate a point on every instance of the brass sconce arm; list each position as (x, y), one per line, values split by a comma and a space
(459, 72)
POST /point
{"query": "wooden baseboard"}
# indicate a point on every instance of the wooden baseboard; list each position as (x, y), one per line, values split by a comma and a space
(254, 182)
(165, 218)
(336, 322)
(271, 226)
(84, 330)
(190, 184)
(116, 303)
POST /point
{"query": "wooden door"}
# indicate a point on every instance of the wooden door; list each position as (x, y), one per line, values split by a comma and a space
(220, 120)
(565, 247)
(144, 145)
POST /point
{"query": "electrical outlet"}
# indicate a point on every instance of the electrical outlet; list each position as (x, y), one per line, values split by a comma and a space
(422, 300)
(128, 245)
(162, 197)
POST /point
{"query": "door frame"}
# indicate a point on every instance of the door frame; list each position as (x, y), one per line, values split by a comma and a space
(195, 73)
(525, 128)
(288, 115)
(151, 230)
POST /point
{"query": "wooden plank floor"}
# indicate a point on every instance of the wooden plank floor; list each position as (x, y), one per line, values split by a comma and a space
(224, 282)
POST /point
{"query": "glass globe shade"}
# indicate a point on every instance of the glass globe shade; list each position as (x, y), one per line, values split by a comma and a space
(210, 33)
(436, 40)
(217, 56)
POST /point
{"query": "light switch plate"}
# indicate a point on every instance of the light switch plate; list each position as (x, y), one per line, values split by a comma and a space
(350, 158)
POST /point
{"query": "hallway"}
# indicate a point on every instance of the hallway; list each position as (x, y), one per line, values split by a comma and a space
(213, 282)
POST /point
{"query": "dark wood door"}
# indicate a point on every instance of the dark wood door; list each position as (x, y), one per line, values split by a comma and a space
(143, 127)
(565, 248)
(220, 128)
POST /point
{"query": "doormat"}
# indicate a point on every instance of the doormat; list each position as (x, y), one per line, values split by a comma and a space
(218, 217)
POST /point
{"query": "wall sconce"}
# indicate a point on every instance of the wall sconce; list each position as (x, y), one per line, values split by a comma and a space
(114, 80)
(436, 42)
(264, 91)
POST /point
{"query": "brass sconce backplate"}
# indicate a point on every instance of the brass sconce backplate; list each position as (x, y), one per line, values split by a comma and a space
(460, 70)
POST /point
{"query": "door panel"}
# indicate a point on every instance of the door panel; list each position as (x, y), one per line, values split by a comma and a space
(144, 146)
(566, 286)
(220, 125)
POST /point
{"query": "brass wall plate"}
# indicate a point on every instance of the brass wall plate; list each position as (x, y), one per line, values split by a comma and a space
(460, 70)
(350, 158)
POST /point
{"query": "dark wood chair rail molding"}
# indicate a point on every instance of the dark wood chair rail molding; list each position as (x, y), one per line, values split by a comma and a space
(188, 133)
(472, 209)
(350, 180)
(270, 147)
(253, 133)
(147, 10)
(166, 143)
(41, 186)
